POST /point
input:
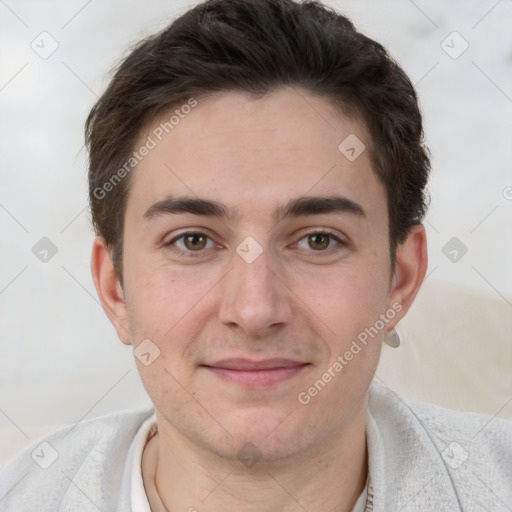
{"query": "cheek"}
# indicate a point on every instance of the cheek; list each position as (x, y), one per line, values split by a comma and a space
(346, 300)
(161, 300)
(349, 304)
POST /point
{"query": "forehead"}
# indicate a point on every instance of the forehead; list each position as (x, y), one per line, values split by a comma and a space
(251, 150)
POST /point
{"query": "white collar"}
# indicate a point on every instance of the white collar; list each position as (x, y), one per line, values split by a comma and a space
(139, 499)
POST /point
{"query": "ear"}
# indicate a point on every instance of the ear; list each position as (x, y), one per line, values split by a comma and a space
(109, 289)
(410, 268)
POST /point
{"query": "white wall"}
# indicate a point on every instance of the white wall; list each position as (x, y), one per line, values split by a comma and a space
(60, 358)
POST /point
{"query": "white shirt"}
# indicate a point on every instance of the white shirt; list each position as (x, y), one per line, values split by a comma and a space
(139, 500)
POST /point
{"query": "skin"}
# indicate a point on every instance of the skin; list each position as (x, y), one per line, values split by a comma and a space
(298, 300)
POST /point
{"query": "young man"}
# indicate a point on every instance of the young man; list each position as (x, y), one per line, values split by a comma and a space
(257, 184)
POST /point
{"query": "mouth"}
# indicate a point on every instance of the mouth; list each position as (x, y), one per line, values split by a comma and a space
(251, 373)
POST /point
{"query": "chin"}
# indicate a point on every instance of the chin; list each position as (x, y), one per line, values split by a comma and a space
(264, 436)
(251, 453)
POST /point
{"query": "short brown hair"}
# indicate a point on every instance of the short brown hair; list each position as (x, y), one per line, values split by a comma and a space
(257, 46)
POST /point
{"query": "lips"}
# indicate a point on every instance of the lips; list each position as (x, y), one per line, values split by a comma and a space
(254, 373)
(248, 364)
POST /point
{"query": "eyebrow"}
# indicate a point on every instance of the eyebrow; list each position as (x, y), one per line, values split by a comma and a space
(297, 207)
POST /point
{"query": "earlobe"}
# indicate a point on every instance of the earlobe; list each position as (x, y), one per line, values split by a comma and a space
(410, 270)
(109, 289)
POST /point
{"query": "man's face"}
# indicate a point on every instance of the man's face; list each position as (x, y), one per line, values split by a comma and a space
(252, 309)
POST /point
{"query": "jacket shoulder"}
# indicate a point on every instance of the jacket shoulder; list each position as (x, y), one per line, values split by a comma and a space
(90, 455)
(442, 422)
(473, 450)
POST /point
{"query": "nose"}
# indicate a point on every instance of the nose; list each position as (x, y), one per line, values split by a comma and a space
(255, 297)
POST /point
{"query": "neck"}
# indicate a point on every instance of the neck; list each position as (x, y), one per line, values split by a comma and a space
(326, 477)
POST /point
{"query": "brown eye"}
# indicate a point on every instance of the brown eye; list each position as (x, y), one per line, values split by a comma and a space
(191, 244)
(318, 241)
(323, 243)
(194, 241)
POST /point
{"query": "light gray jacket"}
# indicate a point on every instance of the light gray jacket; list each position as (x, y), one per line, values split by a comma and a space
(421, 458)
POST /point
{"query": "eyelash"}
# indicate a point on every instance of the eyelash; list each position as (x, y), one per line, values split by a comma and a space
(200, 253)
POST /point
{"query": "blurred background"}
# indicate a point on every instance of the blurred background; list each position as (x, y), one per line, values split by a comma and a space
(60, 359)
